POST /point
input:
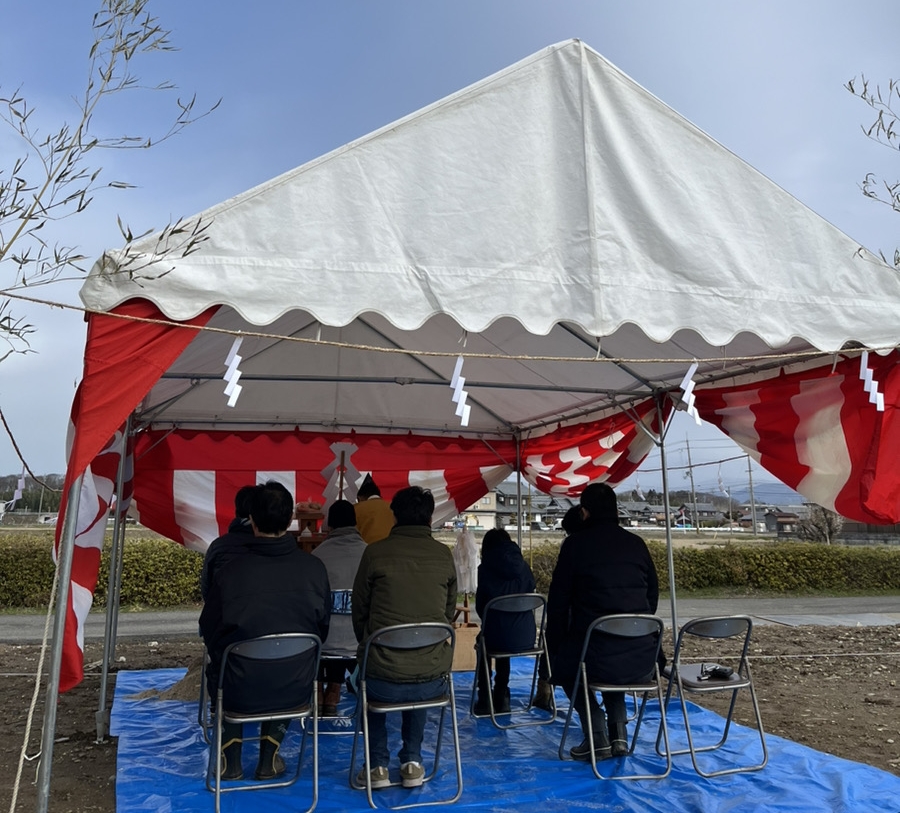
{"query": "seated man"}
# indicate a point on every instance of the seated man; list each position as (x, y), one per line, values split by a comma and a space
(406, 578)
(602, 569)
(340, 551)
(374, 517)
(232, 543)
(274, 587)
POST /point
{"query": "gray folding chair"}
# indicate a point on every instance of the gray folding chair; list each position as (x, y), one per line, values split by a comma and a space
(293, 659)
(204, 720)
(624, 626)
(497, 613)
(406, 637)
(341, 606)
(733, 634)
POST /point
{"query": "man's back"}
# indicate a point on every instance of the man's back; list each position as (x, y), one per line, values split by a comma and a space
(406, 578)
(274, 588)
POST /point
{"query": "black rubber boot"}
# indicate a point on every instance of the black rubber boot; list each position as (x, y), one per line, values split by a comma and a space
(501, 700)
(270, 765)
(618, 735)
(602, 750)
(543, 698)
(231, 751)
(482, 706)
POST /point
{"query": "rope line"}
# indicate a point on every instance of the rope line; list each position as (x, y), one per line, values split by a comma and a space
(796, 355)
(34, 697)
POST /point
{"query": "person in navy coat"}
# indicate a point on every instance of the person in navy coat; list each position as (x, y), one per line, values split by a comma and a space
(502, 571)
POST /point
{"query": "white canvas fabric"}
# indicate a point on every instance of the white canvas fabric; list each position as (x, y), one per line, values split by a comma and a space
(556, 190)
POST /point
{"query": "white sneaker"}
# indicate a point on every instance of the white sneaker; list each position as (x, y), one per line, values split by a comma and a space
(412, 774)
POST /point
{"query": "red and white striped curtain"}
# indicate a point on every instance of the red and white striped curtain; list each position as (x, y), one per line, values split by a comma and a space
(821, 432)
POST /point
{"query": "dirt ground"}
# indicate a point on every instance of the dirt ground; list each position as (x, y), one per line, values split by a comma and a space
(831, 688)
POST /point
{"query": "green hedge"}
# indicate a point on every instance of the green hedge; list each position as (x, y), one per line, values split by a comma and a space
(158, 573)
(780, 567)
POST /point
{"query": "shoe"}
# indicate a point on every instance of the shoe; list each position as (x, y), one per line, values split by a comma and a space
(272, 769)
(618, 739)
(412, 774)
(377, 776)
(501, 701)
(482, 707)
(582, 752)
(543, 698)
(331, 699)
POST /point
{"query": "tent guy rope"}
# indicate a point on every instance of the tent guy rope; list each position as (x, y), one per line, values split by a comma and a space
(593, 358)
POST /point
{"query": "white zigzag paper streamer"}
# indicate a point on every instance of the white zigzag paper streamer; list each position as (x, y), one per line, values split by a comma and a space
(687, 387)
(332, 474)
(232, 373)
(457, 382)
(870, 385)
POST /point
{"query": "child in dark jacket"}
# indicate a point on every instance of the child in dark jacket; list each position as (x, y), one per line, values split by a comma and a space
(502, 572)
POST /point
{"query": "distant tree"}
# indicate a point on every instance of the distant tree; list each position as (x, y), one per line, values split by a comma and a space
(53, 179)
(820, 525)
(885, 130)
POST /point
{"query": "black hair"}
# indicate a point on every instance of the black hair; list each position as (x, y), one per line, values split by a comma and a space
(495, 537)
(272, 508)
(341, 514)
(600, 502)
(367, 489)
(243, 499)
(573, 521)
(413, 506)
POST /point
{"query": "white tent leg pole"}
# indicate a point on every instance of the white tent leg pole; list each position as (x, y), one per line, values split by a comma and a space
(64, 568)
(667, 511)
(114, 589)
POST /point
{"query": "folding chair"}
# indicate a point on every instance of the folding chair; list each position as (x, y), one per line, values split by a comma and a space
(496, 611)
(341, 605)
(702, 678)
(624, 626)
(293, 660)
(406, 637)
(203, 716)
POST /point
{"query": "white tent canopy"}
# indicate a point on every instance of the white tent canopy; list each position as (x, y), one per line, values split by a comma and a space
(575, 239)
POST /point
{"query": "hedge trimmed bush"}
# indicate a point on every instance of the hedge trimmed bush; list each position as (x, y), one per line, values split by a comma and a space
(781, 567)
(158, 573)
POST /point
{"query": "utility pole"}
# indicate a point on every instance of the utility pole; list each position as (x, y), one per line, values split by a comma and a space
(694, 515)
(752, 500)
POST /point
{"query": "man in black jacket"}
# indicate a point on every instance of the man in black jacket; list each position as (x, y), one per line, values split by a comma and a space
(274, 587)
(602, 569)
(232, 543)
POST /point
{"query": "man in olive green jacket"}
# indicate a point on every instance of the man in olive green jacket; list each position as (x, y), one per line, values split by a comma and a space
(408, 577)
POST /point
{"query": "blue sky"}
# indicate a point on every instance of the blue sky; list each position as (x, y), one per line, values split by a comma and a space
(298, 79)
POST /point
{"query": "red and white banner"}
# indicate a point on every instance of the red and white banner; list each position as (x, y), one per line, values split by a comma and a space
(819, 432)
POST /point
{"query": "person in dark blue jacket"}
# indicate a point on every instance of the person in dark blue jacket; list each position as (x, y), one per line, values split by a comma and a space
(231, 544)
(502, 572)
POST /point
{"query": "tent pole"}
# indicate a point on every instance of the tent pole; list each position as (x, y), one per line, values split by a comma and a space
(667, 511)
(64, 569)
(114, 590)
(519, 490)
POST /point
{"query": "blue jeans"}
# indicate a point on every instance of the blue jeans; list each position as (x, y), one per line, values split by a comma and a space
(412, 727)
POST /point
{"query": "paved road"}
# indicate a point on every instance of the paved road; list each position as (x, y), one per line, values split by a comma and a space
(861, 611)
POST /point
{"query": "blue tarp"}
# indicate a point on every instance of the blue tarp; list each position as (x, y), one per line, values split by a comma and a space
(162, 761)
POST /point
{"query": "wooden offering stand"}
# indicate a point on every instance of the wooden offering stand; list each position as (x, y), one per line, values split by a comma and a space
(309, 527)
